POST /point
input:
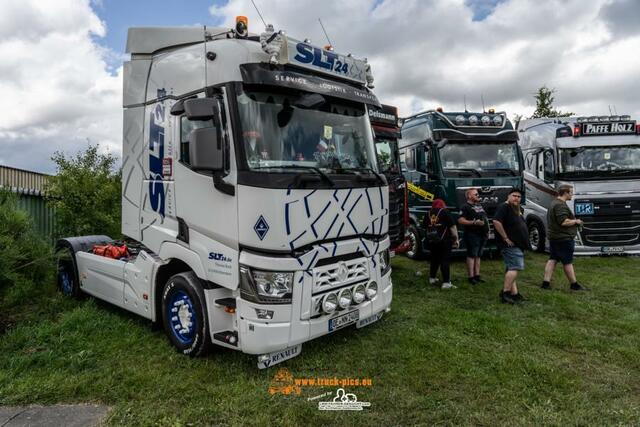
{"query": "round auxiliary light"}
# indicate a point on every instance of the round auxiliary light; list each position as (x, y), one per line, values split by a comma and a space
(592, 119)
(473, 120)
(603, 118)
(460, 120)
(486, 121)
(581, 119)
(626, 117)
(344, 298)
(614, 118)
(372, 290)
(359, 293)
(330, 303)
(497, 121)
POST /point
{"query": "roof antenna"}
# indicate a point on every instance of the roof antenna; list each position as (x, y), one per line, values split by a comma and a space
(259, 14)
(615, 110)
(465, 103)
(482, 99)
(610, 113)
(325, 34)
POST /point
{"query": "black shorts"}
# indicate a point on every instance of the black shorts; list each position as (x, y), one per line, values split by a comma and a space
(474, 244)
(562, 251)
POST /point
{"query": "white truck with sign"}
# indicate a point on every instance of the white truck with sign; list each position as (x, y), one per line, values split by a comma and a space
(600, 158)
(251, 200)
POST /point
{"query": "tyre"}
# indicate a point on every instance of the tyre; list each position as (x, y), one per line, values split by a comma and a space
(537, 235)
(184, 314)
(415, 246)
(67, 275)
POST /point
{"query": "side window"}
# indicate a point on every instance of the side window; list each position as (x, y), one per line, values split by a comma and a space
(186, 126)
(410, 159)
(421, 159)
(549, 165)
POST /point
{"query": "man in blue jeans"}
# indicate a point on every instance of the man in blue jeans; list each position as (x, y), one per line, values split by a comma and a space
(512, 238)
(562, 230)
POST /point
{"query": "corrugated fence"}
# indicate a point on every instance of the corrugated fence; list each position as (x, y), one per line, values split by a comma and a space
(30, 187)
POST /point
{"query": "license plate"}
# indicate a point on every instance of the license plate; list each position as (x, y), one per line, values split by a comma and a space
(344, 320)
(369, 320)
(279, 356)
(612, 249)
(584, 208)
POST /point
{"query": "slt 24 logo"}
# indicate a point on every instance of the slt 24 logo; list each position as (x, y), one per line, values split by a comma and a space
(320, 58)
(217, 256)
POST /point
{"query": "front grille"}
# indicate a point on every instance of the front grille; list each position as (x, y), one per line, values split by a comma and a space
(614, 222)
(341, 274)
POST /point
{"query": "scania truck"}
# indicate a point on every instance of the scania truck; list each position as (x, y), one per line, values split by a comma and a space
(252, 206)
(446, 153)
(600, 157)
(386, 135)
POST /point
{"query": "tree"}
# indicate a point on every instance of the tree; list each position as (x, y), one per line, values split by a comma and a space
(25, 254)
(544, 104)
(86, 193)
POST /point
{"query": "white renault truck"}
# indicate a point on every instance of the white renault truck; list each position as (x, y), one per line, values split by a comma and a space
(600, 157)
(251, 202)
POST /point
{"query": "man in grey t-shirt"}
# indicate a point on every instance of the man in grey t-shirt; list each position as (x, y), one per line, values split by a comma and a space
(562, 229)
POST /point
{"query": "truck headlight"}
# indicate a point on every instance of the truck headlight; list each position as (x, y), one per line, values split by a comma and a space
(330, 303)
(344, 298)
(372, 290)
(358, 293)
(385, 265)
(275, 287)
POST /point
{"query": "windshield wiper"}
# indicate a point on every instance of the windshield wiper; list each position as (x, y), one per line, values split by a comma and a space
(511, 171)
(464, 170)
(378, 177)
(299, 177)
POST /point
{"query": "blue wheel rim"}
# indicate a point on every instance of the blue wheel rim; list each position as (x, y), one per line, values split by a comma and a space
(66, 282)
(182, 316)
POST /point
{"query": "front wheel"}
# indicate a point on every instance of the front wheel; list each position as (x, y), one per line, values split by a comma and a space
(67, 275)
(415, 246)
(536, 236)
(184, 314)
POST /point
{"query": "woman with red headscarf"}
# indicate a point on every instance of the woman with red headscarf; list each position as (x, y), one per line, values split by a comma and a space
(442, 235)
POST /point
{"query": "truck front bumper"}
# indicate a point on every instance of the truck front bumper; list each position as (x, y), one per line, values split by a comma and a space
(286, 328)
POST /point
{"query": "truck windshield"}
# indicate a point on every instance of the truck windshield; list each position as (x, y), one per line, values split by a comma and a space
(281, 131)
(616, 159)
(479, 156)
(387, 150)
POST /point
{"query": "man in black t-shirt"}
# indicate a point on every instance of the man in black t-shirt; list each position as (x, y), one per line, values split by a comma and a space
(442, 235)
(476, 229)
(513, 239)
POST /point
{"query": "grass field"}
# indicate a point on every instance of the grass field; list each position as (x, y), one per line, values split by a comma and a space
(440, 357)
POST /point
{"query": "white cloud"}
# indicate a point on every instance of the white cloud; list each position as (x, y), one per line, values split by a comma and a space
(60, 89)
(57, 89)
(428, 53)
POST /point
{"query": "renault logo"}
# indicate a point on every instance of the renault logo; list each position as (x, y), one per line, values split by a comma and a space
(343, 272)
(485, 189)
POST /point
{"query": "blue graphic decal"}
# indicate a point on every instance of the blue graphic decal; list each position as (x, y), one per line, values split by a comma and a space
(156, 154)
(261, 228)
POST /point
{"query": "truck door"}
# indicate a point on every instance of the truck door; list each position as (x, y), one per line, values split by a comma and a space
(546, 176)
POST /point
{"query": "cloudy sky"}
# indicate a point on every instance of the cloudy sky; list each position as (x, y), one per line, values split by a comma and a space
(60, 72)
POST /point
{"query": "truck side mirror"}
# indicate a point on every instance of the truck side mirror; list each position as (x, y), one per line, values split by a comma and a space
(205, 149)
(201, 109)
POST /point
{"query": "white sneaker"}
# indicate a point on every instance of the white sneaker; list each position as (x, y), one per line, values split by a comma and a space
(433, 280)
(448, 285)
